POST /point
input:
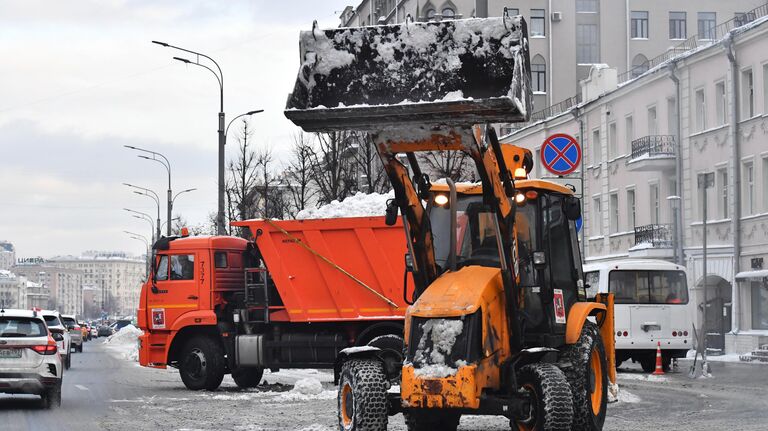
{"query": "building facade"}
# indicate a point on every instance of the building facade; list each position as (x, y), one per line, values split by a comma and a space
(118, 275)
(65, 286)
(568, 36)
(7, 255)
(12, 290)
(647, 143)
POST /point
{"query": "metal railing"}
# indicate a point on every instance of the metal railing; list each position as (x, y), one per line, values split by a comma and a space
(548, 112)
(657, 235)
(654, 145)
(710, 35)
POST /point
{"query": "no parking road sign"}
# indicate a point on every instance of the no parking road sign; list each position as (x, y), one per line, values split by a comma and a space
(561, 154)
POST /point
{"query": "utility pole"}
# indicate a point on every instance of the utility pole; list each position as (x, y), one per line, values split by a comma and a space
(705, 181)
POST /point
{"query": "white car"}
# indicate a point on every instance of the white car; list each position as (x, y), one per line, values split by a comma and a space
(30, 362)
(56, 326)
(75, 333)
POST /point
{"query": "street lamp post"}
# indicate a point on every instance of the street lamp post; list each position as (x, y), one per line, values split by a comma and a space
(220, 227)
(705, 181)
(142, 238)
(146, 217)
(159, 158)
(147, 192)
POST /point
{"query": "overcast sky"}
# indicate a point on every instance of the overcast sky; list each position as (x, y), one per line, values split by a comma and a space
(80, 79)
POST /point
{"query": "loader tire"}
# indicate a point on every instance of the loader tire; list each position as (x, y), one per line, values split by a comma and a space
(362, 399)
(201, 364)
(586, 368)
(417, 420)
(551, 406)
(248, 377)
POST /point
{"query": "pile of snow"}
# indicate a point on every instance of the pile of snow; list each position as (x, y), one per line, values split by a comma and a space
(431, 360)
(125, 342)
(642, 377)
(307, 389)
(359, 205)
(624, 396)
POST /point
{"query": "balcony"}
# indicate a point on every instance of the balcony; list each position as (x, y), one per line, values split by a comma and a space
(653, 240)
(653, 153)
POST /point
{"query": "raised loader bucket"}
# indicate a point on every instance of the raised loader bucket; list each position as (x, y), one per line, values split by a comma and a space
(453, 72)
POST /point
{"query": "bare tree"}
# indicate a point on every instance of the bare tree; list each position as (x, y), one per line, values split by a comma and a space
(447, 164)
(298, 174)
(243, 175)
(268, 196)
(368, 166)
(194, 229)
(333, 167)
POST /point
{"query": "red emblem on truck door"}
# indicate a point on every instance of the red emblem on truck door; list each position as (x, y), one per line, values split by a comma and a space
(158, 318)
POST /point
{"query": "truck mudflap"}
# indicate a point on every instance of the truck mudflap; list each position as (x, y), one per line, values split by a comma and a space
(450, 72)
(152, 351)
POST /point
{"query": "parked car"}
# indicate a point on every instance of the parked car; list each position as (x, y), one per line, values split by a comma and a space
(56, 326)
(74, 332)
(120, 324)
(30, 362)
(94, 330)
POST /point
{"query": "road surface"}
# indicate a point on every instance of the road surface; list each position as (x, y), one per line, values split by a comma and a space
(103, 391)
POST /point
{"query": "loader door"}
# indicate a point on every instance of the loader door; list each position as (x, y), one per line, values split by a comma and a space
(177, 289)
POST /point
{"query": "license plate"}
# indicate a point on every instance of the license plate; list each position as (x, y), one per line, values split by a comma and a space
(10, 353)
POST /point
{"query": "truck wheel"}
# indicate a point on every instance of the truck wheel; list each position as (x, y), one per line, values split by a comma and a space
(391, 346)
(201, 364)
(431, 421)
(588, 378)
(51, 398)
(247, 377)
(362, 400)
(551, 406)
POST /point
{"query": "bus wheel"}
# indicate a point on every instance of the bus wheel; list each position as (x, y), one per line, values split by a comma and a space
(201, 364)
(588, 377)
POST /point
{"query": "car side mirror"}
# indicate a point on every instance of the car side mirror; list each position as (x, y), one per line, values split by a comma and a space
(57, 337)
(408, 262)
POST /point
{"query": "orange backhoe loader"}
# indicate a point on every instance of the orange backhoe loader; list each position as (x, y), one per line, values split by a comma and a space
(499, 323)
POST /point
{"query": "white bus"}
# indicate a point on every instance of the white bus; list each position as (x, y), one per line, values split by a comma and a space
(652, 305)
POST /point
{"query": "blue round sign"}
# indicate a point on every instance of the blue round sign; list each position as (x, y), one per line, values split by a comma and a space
(560, 154)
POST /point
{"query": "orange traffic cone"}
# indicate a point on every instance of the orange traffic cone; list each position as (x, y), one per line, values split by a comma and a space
(659, 369)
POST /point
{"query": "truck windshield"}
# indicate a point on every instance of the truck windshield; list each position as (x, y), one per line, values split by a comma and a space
(476, 233)
(648, 287)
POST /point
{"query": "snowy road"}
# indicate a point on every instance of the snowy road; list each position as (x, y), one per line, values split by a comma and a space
(103, 391)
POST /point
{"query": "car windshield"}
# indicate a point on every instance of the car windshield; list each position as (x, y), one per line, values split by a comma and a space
(52, 320)
(21, 327)
(69, 321)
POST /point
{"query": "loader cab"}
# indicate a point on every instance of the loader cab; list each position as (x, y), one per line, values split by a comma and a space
(545, 253)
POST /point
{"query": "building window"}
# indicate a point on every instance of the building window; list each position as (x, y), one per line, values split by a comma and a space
(586, 6)
(639, 24)
(653, 124)
(614, 207)
(587, 44)
(655, 203)
(759, 305)
(597, 153)
(538, 23)
(639, 65)
(707, 24)
(613, 141)
(747, 94)
(701, 111)
(431, 14)
(677, 25)
(748, 172)
(513, 11)
(765, 184)
(597, 217)
(720, 103)
(722, 192)
(631, 209)
(629, 131)
(539, 74)
(448, 13)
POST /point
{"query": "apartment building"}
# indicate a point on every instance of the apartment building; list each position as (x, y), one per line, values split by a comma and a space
(7, 255)
(568, 36)
(646, 143)
(118, 274)
(65, 286)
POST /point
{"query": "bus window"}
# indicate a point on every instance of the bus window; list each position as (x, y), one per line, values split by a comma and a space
(648, 287)
(592, 279)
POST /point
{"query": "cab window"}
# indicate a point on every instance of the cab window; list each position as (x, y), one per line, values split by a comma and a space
(592, 279)
(161, 273)
(182, 266)
(220, 259)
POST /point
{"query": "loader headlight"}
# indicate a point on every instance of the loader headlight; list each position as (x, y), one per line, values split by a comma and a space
(441, 200)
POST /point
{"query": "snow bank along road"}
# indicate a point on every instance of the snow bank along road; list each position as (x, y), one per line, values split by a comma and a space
(103, 390)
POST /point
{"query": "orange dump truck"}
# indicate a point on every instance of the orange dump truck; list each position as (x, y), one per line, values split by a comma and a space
(293, 297)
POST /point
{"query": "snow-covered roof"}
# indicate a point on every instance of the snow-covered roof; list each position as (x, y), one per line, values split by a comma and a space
(748, 275)
(644, 264)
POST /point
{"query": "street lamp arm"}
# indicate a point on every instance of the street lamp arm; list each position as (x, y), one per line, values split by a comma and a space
(155, 197)
(218, 78)
(154, 153)
(183, 191)
(167, 45)
(138, 212)
(226, 131)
